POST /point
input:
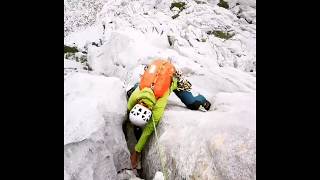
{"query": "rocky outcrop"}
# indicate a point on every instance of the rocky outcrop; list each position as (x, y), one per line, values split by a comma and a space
(219, 144)
(203, 31)
(94, 144)
(214, 46)
(80, 14)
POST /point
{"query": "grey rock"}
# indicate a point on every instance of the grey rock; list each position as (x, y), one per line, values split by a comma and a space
(228, 153)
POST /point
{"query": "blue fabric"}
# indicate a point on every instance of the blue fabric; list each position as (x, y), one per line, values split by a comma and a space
(188, 99)
(136, 85)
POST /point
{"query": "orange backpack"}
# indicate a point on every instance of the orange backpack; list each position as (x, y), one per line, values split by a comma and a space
(158, 77)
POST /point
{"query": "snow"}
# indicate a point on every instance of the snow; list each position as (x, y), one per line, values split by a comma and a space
(128, 20)
(202, 144)
(87, 98)
(84, 37)
(68, 64)
(94, 144)
(80, 14)
(158, 176)
(228, 109)
(219, 143)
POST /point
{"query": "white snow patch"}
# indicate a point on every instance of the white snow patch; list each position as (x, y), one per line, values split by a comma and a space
(87, 98)
(158, 176)
(68, 64)
(84, 37)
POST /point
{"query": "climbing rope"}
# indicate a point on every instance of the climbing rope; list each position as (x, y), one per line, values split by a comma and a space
(162, 156)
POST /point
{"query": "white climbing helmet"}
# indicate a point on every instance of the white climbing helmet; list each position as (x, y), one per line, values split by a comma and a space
(139, 115)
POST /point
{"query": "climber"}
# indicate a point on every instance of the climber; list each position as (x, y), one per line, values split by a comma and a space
(148, 99)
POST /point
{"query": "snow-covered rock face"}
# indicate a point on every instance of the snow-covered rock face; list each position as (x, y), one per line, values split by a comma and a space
(189, 31)
(216, 50)
(87, 104)
(219, 144)
(94, 144)
(79, 14)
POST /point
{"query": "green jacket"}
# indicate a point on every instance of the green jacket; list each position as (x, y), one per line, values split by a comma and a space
(157, 106)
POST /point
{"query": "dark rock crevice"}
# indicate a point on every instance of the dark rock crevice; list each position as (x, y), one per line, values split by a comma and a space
(132, 134)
